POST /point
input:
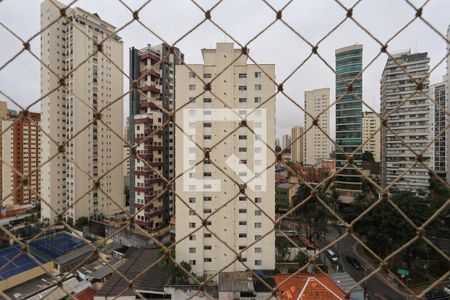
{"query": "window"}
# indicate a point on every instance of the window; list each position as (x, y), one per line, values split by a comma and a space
(242, 100)
(242, 247)
(207, 75)
(242, 149)
(191, 75)
(206, 125)
(207, 100)
(192, 250)
(191, 225)
(257, 74)
(207, 259)
(207, 211)
(258, 262)
(258, 200)
(242, 223)
(242, 137)
(242, 235)
(242, 88)
(192, 212)
(242, 198)
(257, 225)
(192, 237)
(207, 235)
(207, 174)
(257, 99)
(207, 137)
(257, 87)
(242, 211)
(192, 262)
(192, 87)
(257, 212)
(207, 247)
(257, 237)
(242, 75)
(258, 250)
(207, 198)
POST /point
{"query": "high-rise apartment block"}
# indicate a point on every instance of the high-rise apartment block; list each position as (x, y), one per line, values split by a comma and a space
(349, 91)
(412, 121)
(74, 114)
(204, 188)
(317, 144)
(20, 151)
(286, 142)
(372, 134)
(154, 68)
(438, 93)
(297, 148)
(4, 114)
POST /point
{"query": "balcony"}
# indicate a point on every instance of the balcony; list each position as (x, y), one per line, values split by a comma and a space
(148, 104)
(151, 72)
(148, 55)
(152, 88)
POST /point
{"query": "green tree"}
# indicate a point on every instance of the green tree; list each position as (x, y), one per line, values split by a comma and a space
(81, 222)
(368, 157)
(178, 276)
(301, 258)
(282, 252)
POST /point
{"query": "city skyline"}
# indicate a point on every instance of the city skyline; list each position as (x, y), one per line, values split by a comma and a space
(314, 74)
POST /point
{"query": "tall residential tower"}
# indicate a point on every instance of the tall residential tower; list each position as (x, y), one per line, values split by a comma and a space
(149, 108)
(92, 84)
(349, 91)
(412, 121)
(317, 144)
(371, 134)
(297, 148)
(241, 154)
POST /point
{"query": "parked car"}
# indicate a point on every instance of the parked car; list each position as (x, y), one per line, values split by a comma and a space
(332, 255)
(354, 262)
(437, 295)
(447, 289)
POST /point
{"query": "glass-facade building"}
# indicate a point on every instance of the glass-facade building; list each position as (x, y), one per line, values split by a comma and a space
(348, 181)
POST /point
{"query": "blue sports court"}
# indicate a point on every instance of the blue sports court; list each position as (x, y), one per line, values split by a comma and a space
(13, 262)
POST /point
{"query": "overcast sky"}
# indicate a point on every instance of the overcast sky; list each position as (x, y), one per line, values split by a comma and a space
(243, 19)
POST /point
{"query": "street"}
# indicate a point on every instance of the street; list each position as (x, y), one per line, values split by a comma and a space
(376, 286)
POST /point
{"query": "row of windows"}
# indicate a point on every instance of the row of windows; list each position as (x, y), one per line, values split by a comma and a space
(241, 75)
(192, 262)
(258, 87)
(208, 247)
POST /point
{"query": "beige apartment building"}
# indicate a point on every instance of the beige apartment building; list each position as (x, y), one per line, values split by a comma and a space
(90, 85)
(371, 123)
(297, 148)
(204, 187)
(317, 144)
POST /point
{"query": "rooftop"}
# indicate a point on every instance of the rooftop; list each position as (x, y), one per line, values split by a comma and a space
(308, 287)
(236, 282)
(137, 261)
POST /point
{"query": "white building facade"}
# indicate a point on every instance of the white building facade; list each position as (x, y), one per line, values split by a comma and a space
(372, 134)
(413, 122)
(240, 222)
(91, 84)
(317, 145)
